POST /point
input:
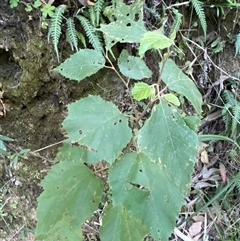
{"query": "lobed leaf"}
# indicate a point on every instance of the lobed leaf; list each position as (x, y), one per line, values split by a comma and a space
(133, 67)
(177, 81)
(119, 225)
(82, 64)
(166, 139)
(156, 203)
(126, 28)
(71, 194)
(98, 125)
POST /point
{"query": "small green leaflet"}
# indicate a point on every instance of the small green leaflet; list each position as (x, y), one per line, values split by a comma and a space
(171, 98)
(154, 40)
(133, 67)
(142, 91)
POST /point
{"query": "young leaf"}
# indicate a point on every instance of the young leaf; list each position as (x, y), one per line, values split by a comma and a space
(82, 64)
(119, 225)
(172, 99)
(142, 91)
(177, 81)
(133, 67)
(154, 40)
(71, 194)
(105, 135)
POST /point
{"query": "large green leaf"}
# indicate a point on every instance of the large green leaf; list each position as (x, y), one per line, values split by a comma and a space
(157, 203)
(177, 81)
(119, 225)
(166, 139)
(133, 67)
(82, 64)
(98, 125)
(71, 194)
(126, 28)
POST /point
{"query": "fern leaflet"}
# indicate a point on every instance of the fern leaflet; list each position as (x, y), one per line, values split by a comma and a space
(237, 44)
(55, 28)
(198, 6)
(98, 9)
(93, 36)
(231, 113)
(177, 22)
(72, 33)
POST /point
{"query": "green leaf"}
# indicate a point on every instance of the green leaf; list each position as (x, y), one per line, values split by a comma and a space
(166, 139)
(37, 4)
(73, 153)
(98, 125)
(177, 81)
(28, 8)
(126, 28)
(193, 122)
(154, 40)
(171, 98)
(209, 137)
(71, 194)
(157, 203)
(14, 3)
(47, 10)
(119, 225)
(82, 64)
(142, 91)
(133, 67)
(5, 138)
(3, 148)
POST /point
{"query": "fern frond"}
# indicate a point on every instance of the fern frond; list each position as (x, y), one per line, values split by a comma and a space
(198, 6)
(235, 120)
(92, 16)
(98, 9)
(229, 98)
(237, 44)
(72, 33)
(231, 113)
(177, 21)
(55, 28)
(237, 183)
(226, 118)
(93, 36)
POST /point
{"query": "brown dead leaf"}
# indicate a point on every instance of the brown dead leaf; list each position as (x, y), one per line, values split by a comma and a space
(204, 157)
(195, 229)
